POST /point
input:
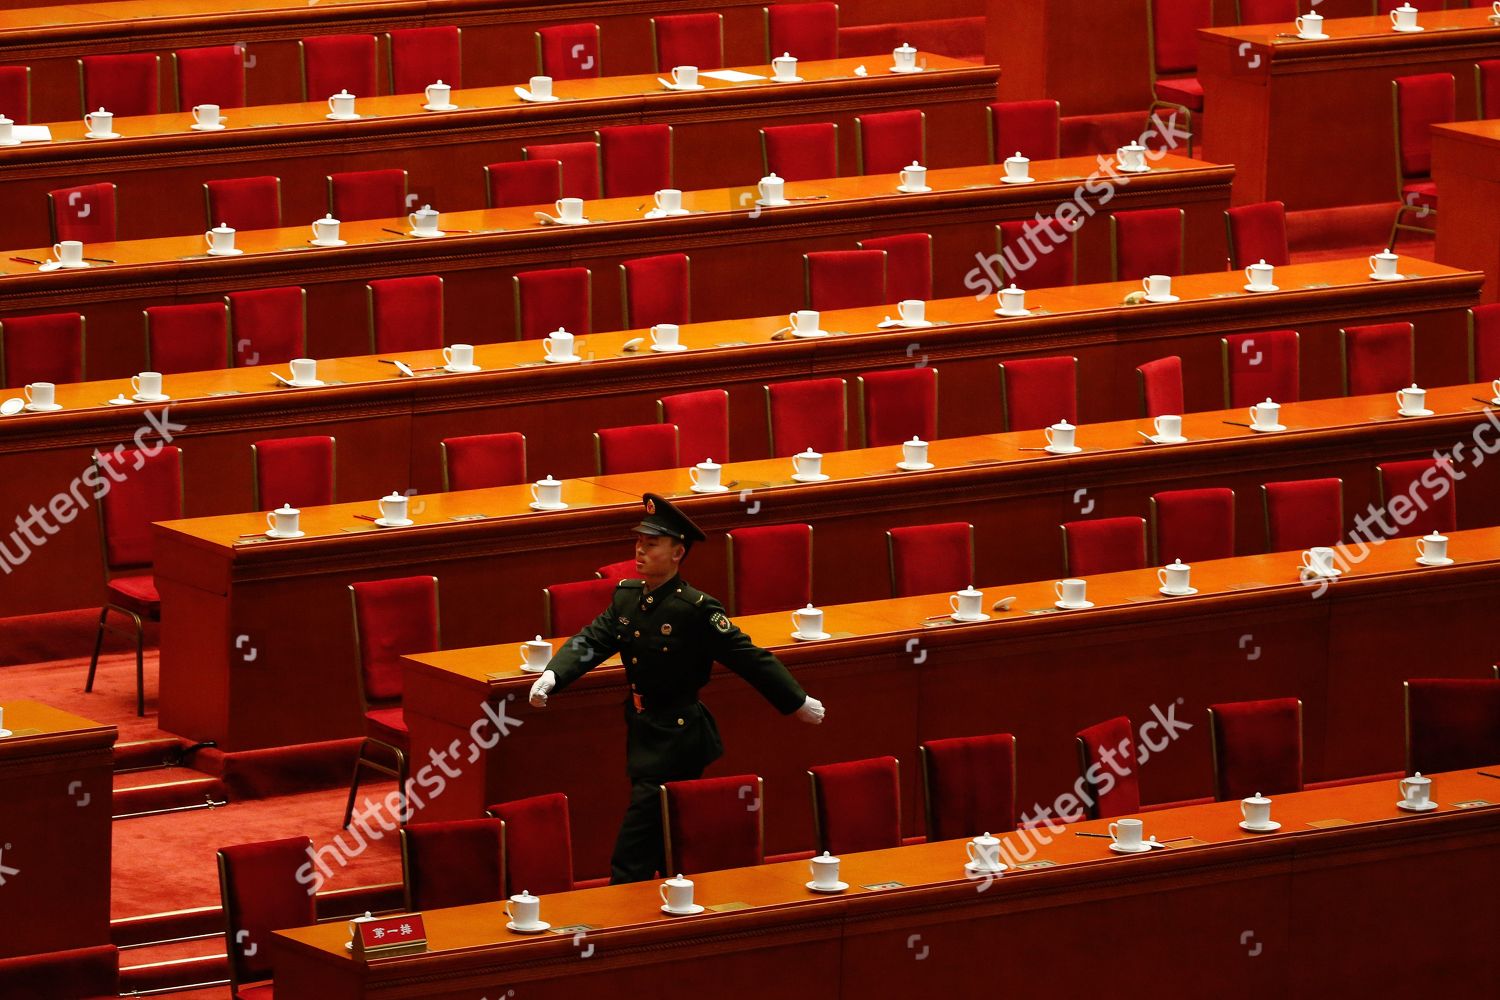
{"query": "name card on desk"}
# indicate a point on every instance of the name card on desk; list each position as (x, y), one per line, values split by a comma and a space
(404, 935)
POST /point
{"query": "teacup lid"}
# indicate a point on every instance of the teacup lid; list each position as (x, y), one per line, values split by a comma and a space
(808, 608)
(971, 591)
(4, 120)
(1269, 402)
(222, 227)
(1063, 425)
(809, 453)
(1387, 253)
(826, 858)
(1018, 156)
(1435, 536)
(786, 55)
(917, 164)
(905, 47)
(559, 332)
(549, 481)
(101, 111)
(915, 439)
(287, 508)
(328, 218)
(772, 176)
(1414, 386)
(1258, 799)
(426, 210)
(1261, 264)
(985, 838)
(708, 464)
(538, 641)
(364, 919)
(1179, 564)
(523, 897)
(1012, 288)
(343, 93)
(1417, 779)
(395, 496)
(679, 881)
(440, 83)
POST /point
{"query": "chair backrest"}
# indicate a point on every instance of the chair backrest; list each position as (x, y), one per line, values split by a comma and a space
(147, 489)
(908, 264)
(1174, 33)
(857, 805)
(298, 471)
(617, 571)
(1192, 525)
(1038, 392)
(1257, 233)
(1161, 386)
(1377, 358)
(811, 413)
(392, 618)
(807, 31)
(46, 348)
(571, 606)
(1486, 88)
(1031, 128)
(970, 785)
(454, 862)
(482, 461)
(367, 194)
(568, 51)
(1031, 258)
(802, 152)
(770, 568)
(1108, 765)
(62, 975)
(187, 338)
(638, 448)
(1430, 491)
(244, 202)
(702, 420)
(423, 56)
(844, 279)
(1104, 545)
(1257, 747)
(1484, 341)
(406, 314)
(15, 93)
(580, 165)
(1452, 724)
(656, 290)
(1422, 101)
(335, 63)
(212, 75)
(889, 141)
(538, 844)
(523, 182)
(636, 159)
(898, 405)
(930, 558)
(85, 213)
(269, 324)
(125, 83)
(552, 298)
(688, 40)
(1146, 241)
(1260, 366)
(261, 894)
(1303, 513)
(708, 826)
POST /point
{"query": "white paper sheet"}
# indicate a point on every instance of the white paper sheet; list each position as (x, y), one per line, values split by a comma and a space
(729, 75)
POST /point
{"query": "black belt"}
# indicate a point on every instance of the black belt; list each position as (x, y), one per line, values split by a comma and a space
(642, 703)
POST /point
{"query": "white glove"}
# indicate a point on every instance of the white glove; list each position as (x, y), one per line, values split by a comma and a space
(811, 710)
(540, 689)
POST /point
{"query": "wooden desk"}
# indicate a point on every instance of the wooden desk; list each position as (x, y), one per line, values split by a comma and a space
(159, 165)
(1466, 167)
(290, 599)
(1310, 123)
(1301, 913)
(55, 775)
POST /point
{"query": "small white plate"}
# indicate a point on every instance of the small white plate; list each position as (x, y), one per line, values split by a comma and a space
(6, 732)
(836, 887)
(403, 523)
(12, 406)
(1142, 848)
(1163, 298)
(1132, 170)
(528, 669)
(1013, 312)
(899, 69)
(536, 928)
(449, 107)
(1267, 430)
(904, 324)
(1065, 606)
(1415, 413)
(1332, 574)
(12, 142)
(538, 505)
(1017, 180)
(695, 908)
(101, 135)
(559, 221)
(553, 359)
(462, 369)
(1177, 593)
(660, 213)
(119, 400)
(1425, 807)
(1053, 449)
(41, 408)
(1270, 827)
(981, 617)
(976, 871)
(919, 467)
(273, 533)
(226, 253)
(1424, 561)
(778, 203)
(669, 348)
(1320, 36)
(342, 118)
(721, 488)
(907, 189)
(200, 127)
(801, 477)
(786, 79)
(1163, 439)
(681, 86)
(427, 236)
(814, 335)
(1262, 288)
(328, 243)
(811, 638)
(314, 384)
(1386, 277)
(1408, 28)
(143, 398)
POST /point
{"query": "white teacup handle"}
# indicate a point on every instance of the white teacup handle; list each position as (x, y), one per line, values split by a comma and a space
(135, 384)
(969, 850)
(1401, 398)
(1161, 575)
(1058, 587)
(535, 494)
(208, 239)
(953, 602)
(1114, 834)
(662, 889)
(331, 104)
(657, 199)
(57, 250)
(447, 355)
(412, 220)
(1405, 793)
(693, 475)
(271, 519)
(547, 344)
(1373, 266)
(796, 622)
(1394, 18)
(1422, 547)
(508, 915)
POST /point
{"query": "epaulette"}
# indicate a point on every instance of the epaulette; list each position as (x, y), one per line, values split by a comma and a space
(633, 584)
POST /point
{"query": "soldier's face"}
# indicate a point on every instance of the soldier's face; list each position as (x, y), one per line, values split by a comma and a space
(657, 556)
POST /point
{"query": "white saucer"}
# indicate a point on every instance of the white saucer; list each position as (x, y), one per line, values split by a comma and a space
(1055, 450)
(119, 400)
(1386, 277)
(1017, 180)
(1425, 807)
(1262, 288)
(462, 369)
(57, 265)
(811, 638)
(836, 887)
(906, 189)
(981, 617)
(403, 523)
(1133, 170)
(527, 669)
(1408, 29)
(1320, 36)
(558, 221)
(328, 243)
(909, 467)
(1332, 574)
(342, 118)
(821, 477)
(101, 135)
(1424, 561)
(1012, 312)
(12, 142)
(1177, 593)
(536, 928)
(273, 533)
(226, 253)
(40, 408)
(1270, 827)
(1415, 413)
(450, 107)
(898, 69)
(809, 336)
(1143, 848)
(669, 348)
(786, 79)
(6, 732)
(659, 213)
(553, 359)
(200, 127)
(777, 203)
(1268, 430)
(688, 87)
(911, 324)
(538, 505)
(695, 908)
(1064, 606)
(143, 398)
(975, 871)
(721, 488)
(427, 236)
(1163, 298)
(313, 384)
(1163, 439)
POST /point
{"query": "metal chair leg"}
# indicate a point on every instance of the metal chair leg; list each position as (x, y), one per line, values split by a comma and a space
(98, 646)
(354, 787)
(140, 666)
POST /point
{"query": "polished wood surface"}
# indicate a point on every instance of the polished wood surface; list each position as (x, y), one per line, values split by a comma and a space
(1466, 167)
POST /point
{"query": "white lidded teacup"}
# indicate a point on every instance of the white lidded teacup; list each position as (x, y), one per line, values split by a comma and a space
(808, 621)
(705, 476)
(535, 654)
(1175, 578)
(524, 910)
(677, 894)
(984, 853)
(807, 463)
(547, 492)
(283, 520)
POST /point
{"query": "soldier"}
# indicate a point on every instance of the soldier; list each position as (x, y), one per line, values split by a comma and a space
(668, 636)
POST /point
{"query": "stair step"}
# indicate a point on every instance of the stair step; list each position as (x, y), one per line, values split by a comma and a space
(130, 932)
(145, 753)
(164, 788)
(174, 974)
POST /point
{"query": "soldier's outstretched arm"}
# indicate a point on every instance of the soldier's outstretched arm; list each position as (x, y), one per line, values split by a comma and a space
(758, 666)
(580, 654)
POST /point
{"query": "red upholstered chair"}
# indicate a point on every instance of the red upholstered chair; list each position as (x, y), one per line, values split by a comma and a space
(970, 784)
(1266, 11)
(1031, 258)
(844, 279)
(1104, 545)
(92, 973)
(1484, 342)
(617, 571)
(1257, 233)
(1421, 102)
(522, 182)
(571, 606)
(1257, 747)
(702, 420)
(1038, 392)
(482, 461)
(808, 31)
(930, 558)
(1430, 491)
(1303, 513)
(212, 75)
(656, 290)
(392, 618)
(770, 568)
(1172, 33)
(636, 159)
(15, 93)
(147, 489)
(580, 165)
(1161, 386)
(898, 405)
(299, 471)
(1192, 525)
(803, 152)
(1259, 366)
(187, 338)
(706, 825)
(406, 314)
(538, 844)
(1146, 241)
(85, 213)
(807, 414)
(908, 264)
(639, 448)
(244, 202)
(1031, 128)
(422, 56)
(335, 63)
(454, 862)
(1377, 358)
(1108, 767)
(261, 894)
(568, 51)
(124, 83)
(1486, 88)
(47, 348)
(889, 141)
(269, 324)
(1451, 725)
(368, 194)
(856, 805)
(557, 297)
(688, 40)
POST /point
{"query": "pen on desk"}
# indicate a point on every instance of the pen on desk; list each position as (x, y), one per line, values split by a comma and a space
(1486, 402)
(1235, 423)
(100, 260)
(25, 260)
(365, 517)
(393, 232)
(1101, 836)
(1173, 840)
(1487, 774)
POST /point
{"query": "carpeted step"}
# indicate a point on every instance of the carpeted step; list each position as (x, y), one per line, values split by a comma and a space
(161, 788)
(139, 754)
(150, 928)
(148, 971)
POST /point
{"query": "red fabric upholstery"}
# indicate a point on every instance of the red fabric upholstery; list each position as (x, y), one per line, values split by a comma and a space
(553, 298)
(807, 414)
(571, 606)
(640, 448)
(1486, 320)
(388, 725)
(47, 348)
(1194, 525)
(931, 558)
(899, 404)
(1184, 90)
(771, 568)
(62, 975)
(85, 213)
(124, 83)
(1161, 386)
(908, 264)
(1038, 392)
(656, 290)
(270, 325)
(295, 470)
(261, 894)
(806, 30)
(1262, 365)
(971, 786)
(1031, 128)
(1268, 11)
(637, 159)
(1035, 262)
(617, 571)
(538, 844)
(1147, 241)
(1105, 545)
(804, 152)
(688, 40)
(480, 461)
(845, 279)
(1419, 193)
(368, 194)
(136, 593)
(187, 338)
(393, 618)
(702, 420)
(1303, 513)
(1110, 772)
(568, 51)
(334, 63)
(580, 165)
(1175, 25)
(1487, 72)
(858, 805)
(523, 182)
(420, 56)
(1259, 748)
(1377, 358)
(1422, 101)
(245, 202)
(890, 141)
(453, 863)
(958, 37)
(1430, 491)
(15, 93)
(213, 75)
(1452, 725)
(147, 488)
(406, 314)
(1258, 233)
(709, 827)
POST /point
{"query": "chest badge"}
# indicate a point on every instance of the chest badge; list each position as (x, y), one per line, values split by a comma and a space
(666, 629)
(624, 620)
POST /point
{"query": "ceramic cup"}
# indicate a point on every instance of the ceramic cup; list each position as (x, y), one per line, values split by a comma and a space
(1265, 415)
(912, 310)
(1127, 833)
(1416, 790)
(1260, 275)
(341, 104)
(1071, 591)
(283, 520)
(536, 653)
(784, 67)
(207, 114)
(685, 76)
(99, 122)
(804, 321)
(219, 239)
(668, 200)
(524, 910)
(914, 176)
(1433, 547)
(1168, 425)
(705, 475)
(559, 345)
(808, 620)
(393, 507)
(326, 229)
(69, 253)
(1157, 286)
(1175, 578)
(905, 57)
(1383, 264)
(967, 603)
(824, 870)
(914, 452)
(540, 87)
(1013, 299)
(807, 463)
(1256, 810)
(772, 189)
(984, 852)
(569, 209)
(304, 370)
(458, 356)
(547, 492)
(1018, 167)
(1318, 560)
(1411, 399)
(146, 384)
(439, 95)
(1310, 25)
(1060, 435)
(677, 893)
(1131, 156)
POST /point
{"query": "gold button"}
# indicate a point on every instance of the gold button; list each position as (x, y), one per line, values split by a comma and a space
(680, 722)
(650, 599)
(637, 633)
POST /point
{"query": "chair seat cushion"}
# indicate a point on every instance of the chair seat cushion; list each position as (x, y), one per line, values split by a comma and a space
(262, 991)
(1186, 91)
(388, 725)
(1419, 193)
(136, 593)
